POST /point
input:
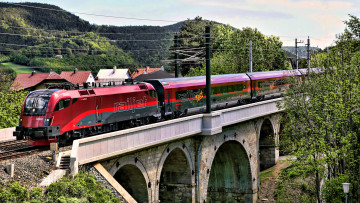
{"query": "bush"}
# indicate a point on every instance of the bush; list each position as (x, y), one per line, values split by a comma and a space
(83, 186)
(20, 193)
(19, 59)
(6, 196)
(332, 190)
(4, 58)
(36, 195)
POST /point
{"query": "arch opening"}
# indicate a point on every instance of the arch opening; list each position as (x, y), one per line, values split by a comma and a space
(267, 146)
(131, 178)
(175, 178)
(230, 175)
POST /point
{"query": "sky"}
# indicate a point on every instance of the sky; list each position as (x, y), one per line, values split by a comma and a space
(321, 20)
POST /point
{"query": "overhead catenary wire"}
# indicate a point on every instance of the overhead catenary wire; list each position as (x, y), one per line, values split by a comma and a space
(92, 32)
(90, 14)
(185, 49)
(95, 50)
(84, 39)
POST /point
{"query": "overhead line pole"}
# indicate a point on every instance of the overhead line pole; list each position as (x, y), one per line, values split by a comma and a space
(208, 70)
(296, 52)
(250, 56)
(308, 51)
(176, 56)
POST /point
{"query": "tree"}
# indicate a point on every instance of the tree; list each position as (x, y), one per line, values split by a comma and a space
(10, 102)
(231, 51)
(192, 43)
(322, 126)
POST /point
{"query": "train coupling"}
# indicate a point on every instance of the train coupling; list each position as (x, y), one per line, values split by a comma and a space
(19, 133)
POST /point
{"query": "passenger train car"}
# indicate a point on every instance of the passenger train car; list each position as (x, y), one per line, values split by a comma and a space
(63, 115)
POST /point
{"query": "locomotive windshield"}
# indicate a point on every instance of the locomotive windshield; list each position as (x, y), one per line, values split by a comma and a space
(37, 102)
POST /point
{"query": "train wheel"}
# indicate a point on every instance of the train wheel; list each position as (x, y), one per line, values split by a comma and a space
(260, 98)
(146, 120)
(131, 124)
(183, 114)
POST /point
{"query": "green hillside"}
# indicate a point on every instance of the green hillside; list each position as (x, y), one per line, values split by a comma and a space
(148, 45)
(302, 51)
(33, 37)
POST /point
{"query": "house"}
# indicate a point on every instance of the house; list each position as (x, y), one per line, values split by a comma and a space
(34, 81)
(147, 70)
(113, 75)
(78, 77)
(154, 75)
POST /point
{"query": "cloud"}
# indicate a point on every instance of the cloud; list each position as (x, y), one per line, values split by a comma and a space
(233, 8)
(305, 4)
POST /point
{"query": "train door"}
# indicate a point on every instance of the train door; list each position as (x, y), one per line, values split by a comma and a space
(169, 103)
(98, 109)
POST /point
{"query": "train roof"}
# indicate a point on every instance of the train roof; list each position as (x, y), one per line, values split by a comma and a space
(305, 71)
(273, 74)
(200, 80)
(102, 91)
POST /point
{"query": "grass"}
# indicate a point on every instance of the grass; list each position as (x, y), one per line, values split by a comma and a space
(264, 175)
(292, 187)
(17, 68)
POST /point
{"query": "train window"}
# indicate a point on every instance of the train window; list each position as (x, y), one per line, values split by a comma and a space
(238, 87)
(153, 93)
(224, 89)
(181, 95)
(197, 91)
(62, 104)
(231, 88)
(35, 105)
(214, 90)
(74, 100)
(280, 82)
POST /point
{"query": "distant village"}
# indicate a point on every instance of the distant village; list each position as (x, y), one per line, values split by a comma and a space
(115, 76)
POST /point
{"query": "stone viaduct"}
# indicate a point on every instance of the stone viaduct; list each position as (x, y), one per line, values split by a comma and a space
(213, 157)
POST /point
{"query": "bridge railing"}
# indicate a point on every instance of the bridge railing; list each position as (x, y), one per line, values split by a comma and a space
(107, 145)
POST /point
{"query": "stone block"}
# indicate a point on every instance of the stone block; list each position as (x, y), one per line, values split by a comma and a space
(10, 169)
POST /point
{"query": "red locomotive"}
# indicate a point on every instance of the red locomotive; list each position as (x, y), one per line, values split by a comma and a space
(48, 115)
(62, 115)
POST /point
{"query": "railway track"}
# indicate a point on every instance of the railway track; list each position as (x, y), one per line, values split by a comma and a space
(8, 145)
(17, 148)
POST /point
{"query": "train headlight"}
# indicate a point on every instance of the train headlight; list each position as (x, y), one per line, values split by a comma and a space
(47, 121)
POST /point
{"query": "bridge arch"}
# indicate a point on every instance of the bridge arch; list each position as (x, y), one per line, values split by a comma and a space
(230, 174)
(175, 177)
(132, 175)
(267, 142)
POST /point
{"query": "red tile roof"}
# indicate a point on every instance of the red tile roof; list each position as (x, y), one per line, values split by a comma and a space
(141, 71)
(76, 77)
(27, 80)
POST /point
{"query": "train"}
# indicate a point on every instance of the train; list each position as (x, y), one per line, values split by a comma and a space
(62, 115)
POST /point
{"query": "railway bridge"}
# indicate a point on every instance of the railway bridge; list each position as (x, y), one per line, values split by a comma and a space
(213, 157)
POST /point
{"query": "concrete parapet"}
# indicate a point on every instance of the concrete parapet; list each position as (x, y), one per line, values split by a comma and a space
(6, 134)
(211, 123)
(74, 163)
(107, 145)
(248, 112)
